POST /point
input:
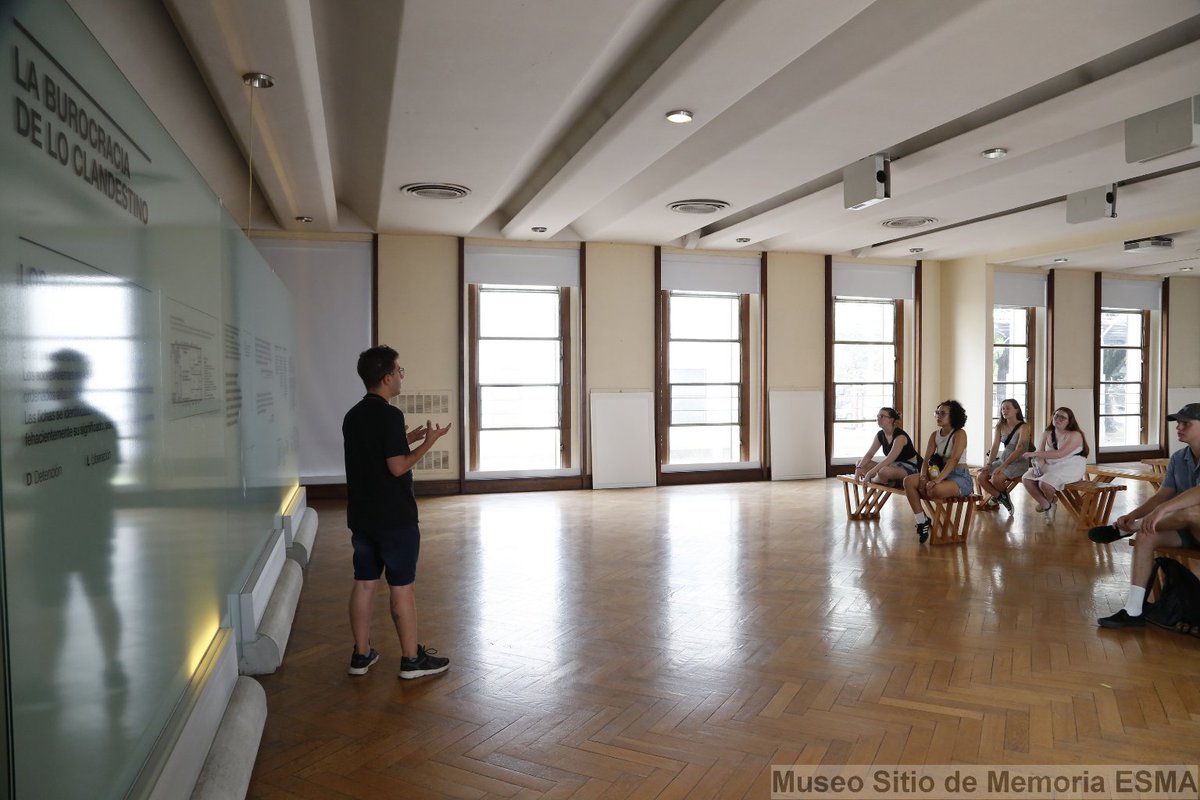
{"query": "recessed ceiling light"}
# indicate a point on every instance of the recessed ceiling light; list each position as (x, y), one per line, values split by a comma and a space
(995, 152)
(435, 191)
(304, 219)
(538, 229)
(743, 239)
(258, 80)
(1061, 260)
(915, 250)
(1185, 269)
(679, 115)
(698, 206)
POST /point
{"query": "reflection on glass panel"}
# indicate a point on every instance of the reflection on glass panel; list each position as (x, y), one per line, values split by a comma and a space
(519, 406)
(518, 313)
(705, 362)
(519, 450)
(1010, 364)
(1010, 325)
(1121, 329)
(710, 404)
(861, 401)
(852, 439)
(1120, 431)
(704, 444)
(518, 361)
(864, 362)
(1121, 398)
(704, 316)
(864, 321)
(1118, 364)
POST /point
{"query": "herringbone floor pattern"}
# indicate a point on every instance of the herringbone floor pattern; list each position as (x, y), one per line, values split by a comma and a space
(676, 642)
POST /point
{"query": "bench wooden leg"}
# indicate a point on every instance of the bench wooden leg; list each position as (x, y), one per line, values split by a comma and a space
(868, 500)
(1089, 503)
(951, 518)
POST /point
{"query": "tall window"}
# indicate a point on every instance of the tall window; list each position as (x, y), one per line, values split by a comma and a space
(866, 369)
(707, 377)
(1012, 357)
(1124, 377)
(520, 407)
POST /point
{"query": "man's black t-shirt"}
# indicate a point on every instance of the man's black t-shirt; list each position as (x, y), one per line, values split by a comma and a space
(372, 432)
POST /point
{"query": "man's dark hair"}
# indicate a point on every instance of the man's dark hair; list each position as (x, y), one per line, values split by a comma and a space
(375, 364)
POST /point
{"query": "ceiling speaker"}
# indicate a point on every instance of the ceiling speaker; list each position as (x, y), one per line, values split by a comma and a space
(1092, 204)
(867, 182)
(1163, 131)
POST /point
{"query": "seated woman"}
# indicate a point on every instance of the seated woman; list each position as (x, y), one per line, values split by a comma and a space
(1005, 472)
(1061, 458)
(940, 476)
(900, 458)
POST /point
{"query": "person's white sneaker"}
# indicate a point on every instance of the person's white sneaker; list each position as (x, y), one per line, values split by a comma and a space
(1049, 513)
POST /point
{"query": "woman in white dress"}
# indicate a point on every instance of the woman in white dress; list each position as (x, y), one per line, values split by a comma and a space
(1061, 458)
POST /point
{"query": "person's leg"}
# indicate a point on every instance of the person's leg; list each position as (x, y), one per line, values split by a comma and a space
(940, 491)
(892, 473)
(361, 597)
(987, 483)
(404, 617)
(1034, 487)
(911, 492)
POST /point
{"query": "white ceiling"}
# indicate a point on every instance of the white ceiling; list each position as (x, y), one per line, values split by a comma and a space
(552, 113)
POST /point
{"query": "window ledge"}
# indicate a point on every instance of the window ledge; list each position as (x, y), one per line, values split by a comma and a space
(711, 467)
(523, 473)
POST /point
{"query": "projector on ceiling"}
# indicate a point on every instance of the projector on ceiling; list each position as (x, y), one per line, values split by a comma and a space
(1152, 244)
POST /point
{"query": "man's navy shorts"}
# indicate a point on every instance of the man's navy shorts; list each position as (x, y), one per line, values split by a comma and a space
(395, 548)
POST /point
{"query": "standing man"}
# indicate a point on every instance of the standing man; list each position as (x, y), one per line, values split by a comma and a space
(381, 512)
(1170, 518)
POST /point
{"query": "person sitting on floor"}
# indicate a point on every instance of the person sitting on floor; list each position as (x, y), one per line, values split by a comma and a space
(940, 475)
(1005, 472)
(900, 458)
(1170, 518)
(1061, 458)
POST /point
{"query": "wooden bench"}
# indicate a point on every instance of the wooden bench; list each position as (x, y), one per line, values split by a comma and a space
(1089, 502)
(1104, 473)
(1158, 465)
(950, 517)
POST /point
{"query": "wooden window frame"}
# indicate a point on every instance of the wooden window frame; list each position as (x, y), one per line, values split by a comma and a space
(1143, 382)
(1030, 359)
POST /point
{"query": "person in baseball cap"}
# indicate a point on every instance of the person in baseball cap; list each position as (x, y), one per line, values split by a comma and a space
(1170, 518)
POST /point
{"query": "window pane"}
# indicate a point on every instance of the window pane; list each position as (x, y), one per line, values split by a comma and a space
(518, 361)
(1120, 365)
(1009, 325)
(697, 405)
(517, 314)
(852, 439)
(864, 322)
(519, 407)
(1121, 398)
(514, 450)
(1119, 328)
(705, 362)
(1009, 364)
(705, 444)
(864, 362)
(704, 317)
(861, 401)
(1120, 431)
(1005, 391)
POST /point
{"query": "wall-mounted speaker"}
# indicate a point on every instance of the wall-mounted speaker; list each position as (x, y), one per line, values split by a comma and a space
(867, 182)
(1163, 131)
(1092, 204)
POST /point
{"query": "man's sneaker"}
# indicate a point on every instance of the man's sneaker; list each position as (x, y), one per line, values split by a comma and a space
(1122, 619)
(426, 663)
(1005, 501)
(359, 664)
(1106, 534)
(923, 531)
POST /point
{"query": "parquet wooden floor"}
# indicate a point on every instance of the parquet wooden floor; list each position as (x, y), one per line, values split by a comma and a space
(676, 642)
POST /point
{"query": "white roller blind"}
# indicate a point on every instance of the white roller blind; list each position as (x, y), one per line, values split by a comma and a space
(330, 284)
(1142, 295)
(522, 266)
(873, 280)
(700, 273)
(1023, 289)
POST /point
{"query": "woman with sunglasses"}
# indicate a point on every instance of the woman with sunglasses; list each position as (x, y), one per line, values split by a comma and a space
(1061, 458)
(900, 458)
(940, 475)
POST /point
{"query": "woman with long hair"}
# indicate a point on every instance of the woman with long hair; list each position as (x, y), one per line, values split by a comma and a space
(1007, 466)
(940, 475)
(900, 458)
(1061, 458)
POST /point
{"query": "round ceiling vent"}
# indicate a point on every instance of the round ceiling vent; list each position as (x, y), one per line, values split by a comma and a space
(436, 191)
(698, 206)
(908, 222)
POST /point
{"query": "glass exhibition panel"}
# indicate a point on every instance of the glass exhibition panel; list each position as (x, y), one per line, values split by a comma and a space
(146, 423)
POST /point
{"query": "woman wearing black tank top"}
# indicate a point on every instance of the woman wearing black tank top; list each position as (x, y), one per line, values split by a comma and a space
(900, 458)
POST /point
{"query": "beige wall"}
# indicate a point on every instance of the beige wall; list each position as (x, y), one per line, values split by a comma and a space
(417, 309)
(620, 317)
(965, 336)
(796, 322)
(1074, 330)
(1183, 361)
